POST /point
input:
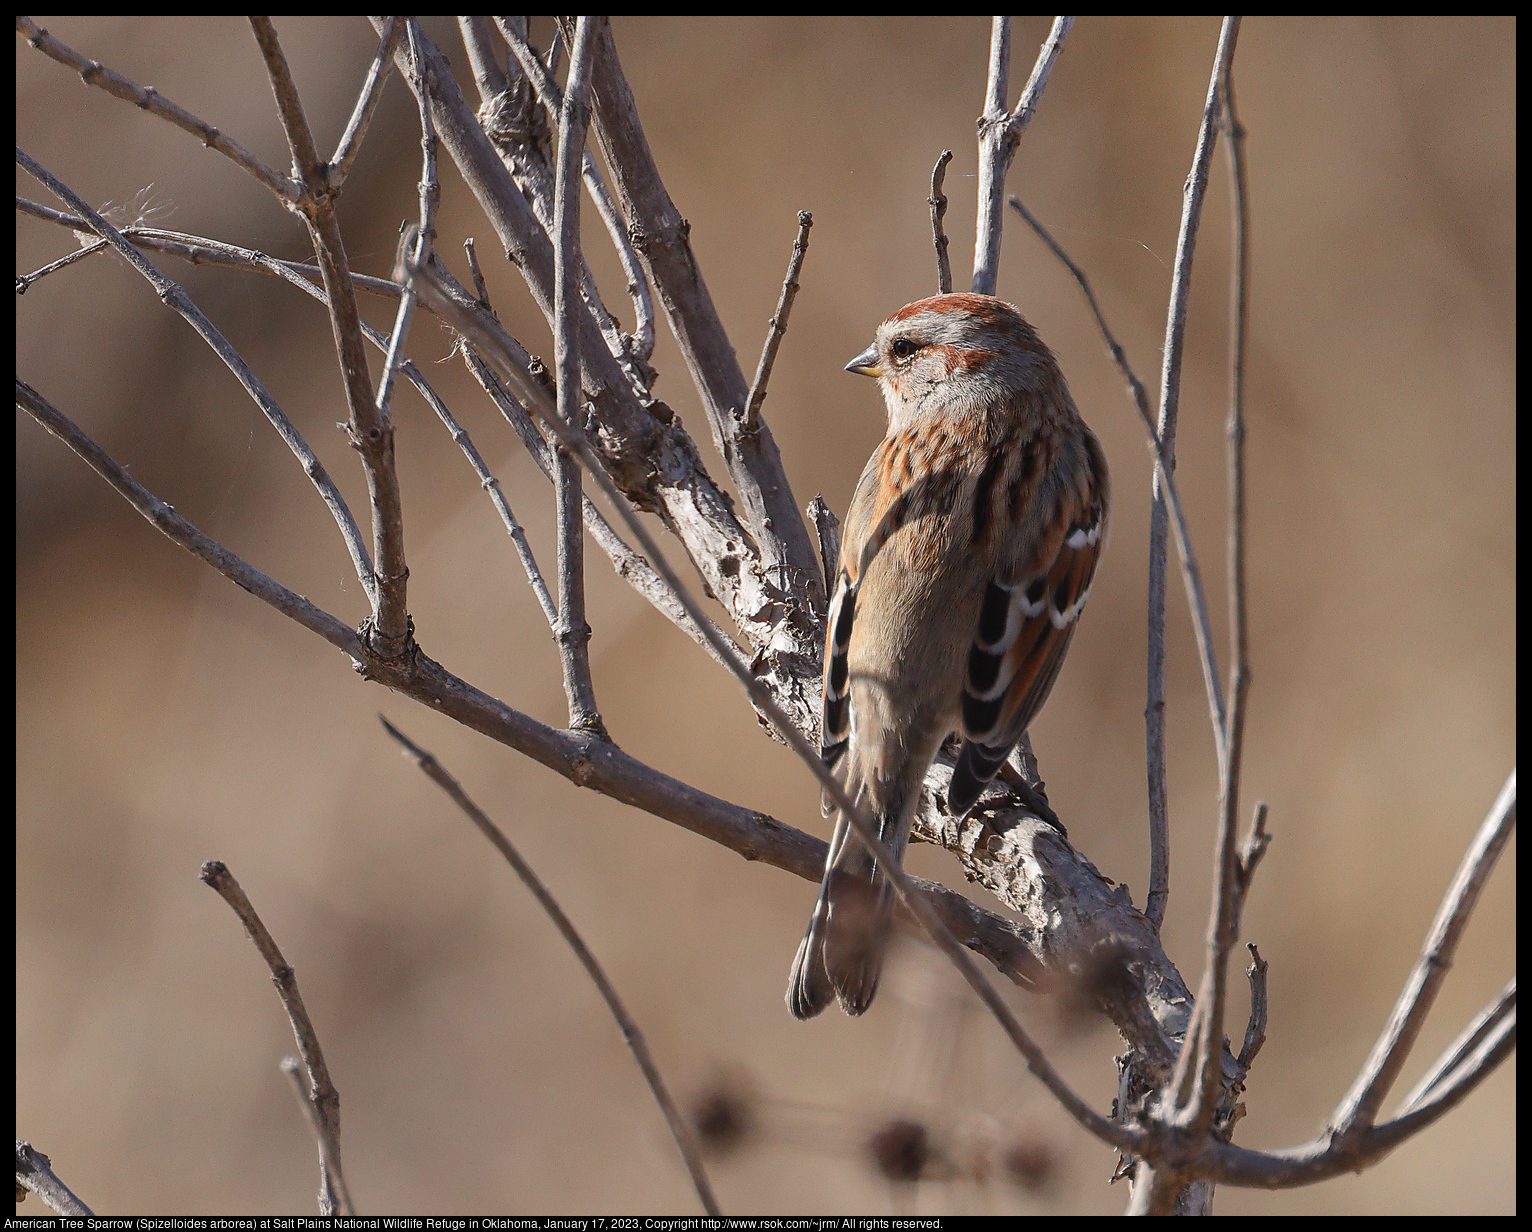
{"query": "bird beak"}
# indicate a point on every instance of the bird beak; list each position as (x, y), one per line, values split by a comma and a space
(866, 363)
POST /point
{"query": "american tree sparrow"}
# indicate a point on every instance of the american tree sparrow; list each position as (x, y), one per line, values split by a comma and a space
(966, 557)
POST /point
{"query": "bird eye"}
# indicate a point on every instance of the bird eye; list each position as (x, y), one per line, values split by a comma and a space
(903, 348)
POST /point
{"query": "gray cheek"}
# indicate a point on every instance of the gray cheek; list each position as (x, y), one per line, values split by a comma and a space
(927, 392)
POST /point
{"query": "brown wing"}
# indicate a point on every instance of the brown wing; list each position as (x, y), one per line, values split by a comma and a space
(1025, 624)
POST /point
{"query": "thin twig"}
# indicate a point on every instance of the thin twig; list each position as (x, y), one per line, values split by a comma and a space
(334, 1199)
(1255, 1029)
(509, 117)
(679, 1129)
(993, 159)
(329, 1166)
(1359, 1110)
(778, 326)
(573, 633)
(371, 434)
(1449, 1064)
(200, 250)
(366, 104)
(1456, 1084)
(827, 531)
(23, 281)
(491, 485)
(1239, 317)
(1191, 573)
(548, 93)
(753, 460)
(1328, 1156)
(1251, 851)
(1198, 1104)
(295, 124)
(1243, 860)
(1165, 432)
(480, 287)
(1000, 135)
(94, 73)
(172, 294)
(938, 203)
(34, 1174)
(430, 195)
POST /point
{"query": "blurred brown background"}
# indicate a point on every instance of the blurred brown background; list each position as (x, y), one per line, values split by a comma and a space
(166, 717)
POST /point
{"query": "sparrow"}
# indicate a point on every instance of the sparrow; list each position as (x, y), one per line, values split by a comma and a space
(967, 555)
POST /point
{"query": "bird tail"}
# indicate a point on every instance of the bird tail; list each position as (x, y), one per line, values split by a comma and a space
(842, 951)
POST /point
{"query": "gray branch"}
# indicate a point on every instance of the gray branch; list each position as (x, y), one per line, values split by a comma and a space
(321, 1098)
(660, 236)
(1000, 135)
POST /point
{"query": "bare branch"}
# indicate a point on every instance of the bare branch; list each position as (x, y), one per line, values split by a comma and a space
(1239, 317)
(509, 116)
(334, 1198)
(994, 159)
(698, 512)
(752, 411)
(660, 235)
(1359, 1110)
(1000, 135)
(679, 1130)
(34, 1174)
(371, 434)
(938, 203)
(573, 633)
(329, 1166)
(641, 342)
(1255, 1029)
(93, 73)
(295, 124)
(1449, 1064)
(23, 281)
(1165, 433)
(827, 531)
(1170, 398)
(1196, 1110)
(1329, 1155)
(172, 294)
(1191, 573)
(430, 196)
(199, 250)
(366, 104)
(1455, 1085)
(1251, 851)
(478, 42)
